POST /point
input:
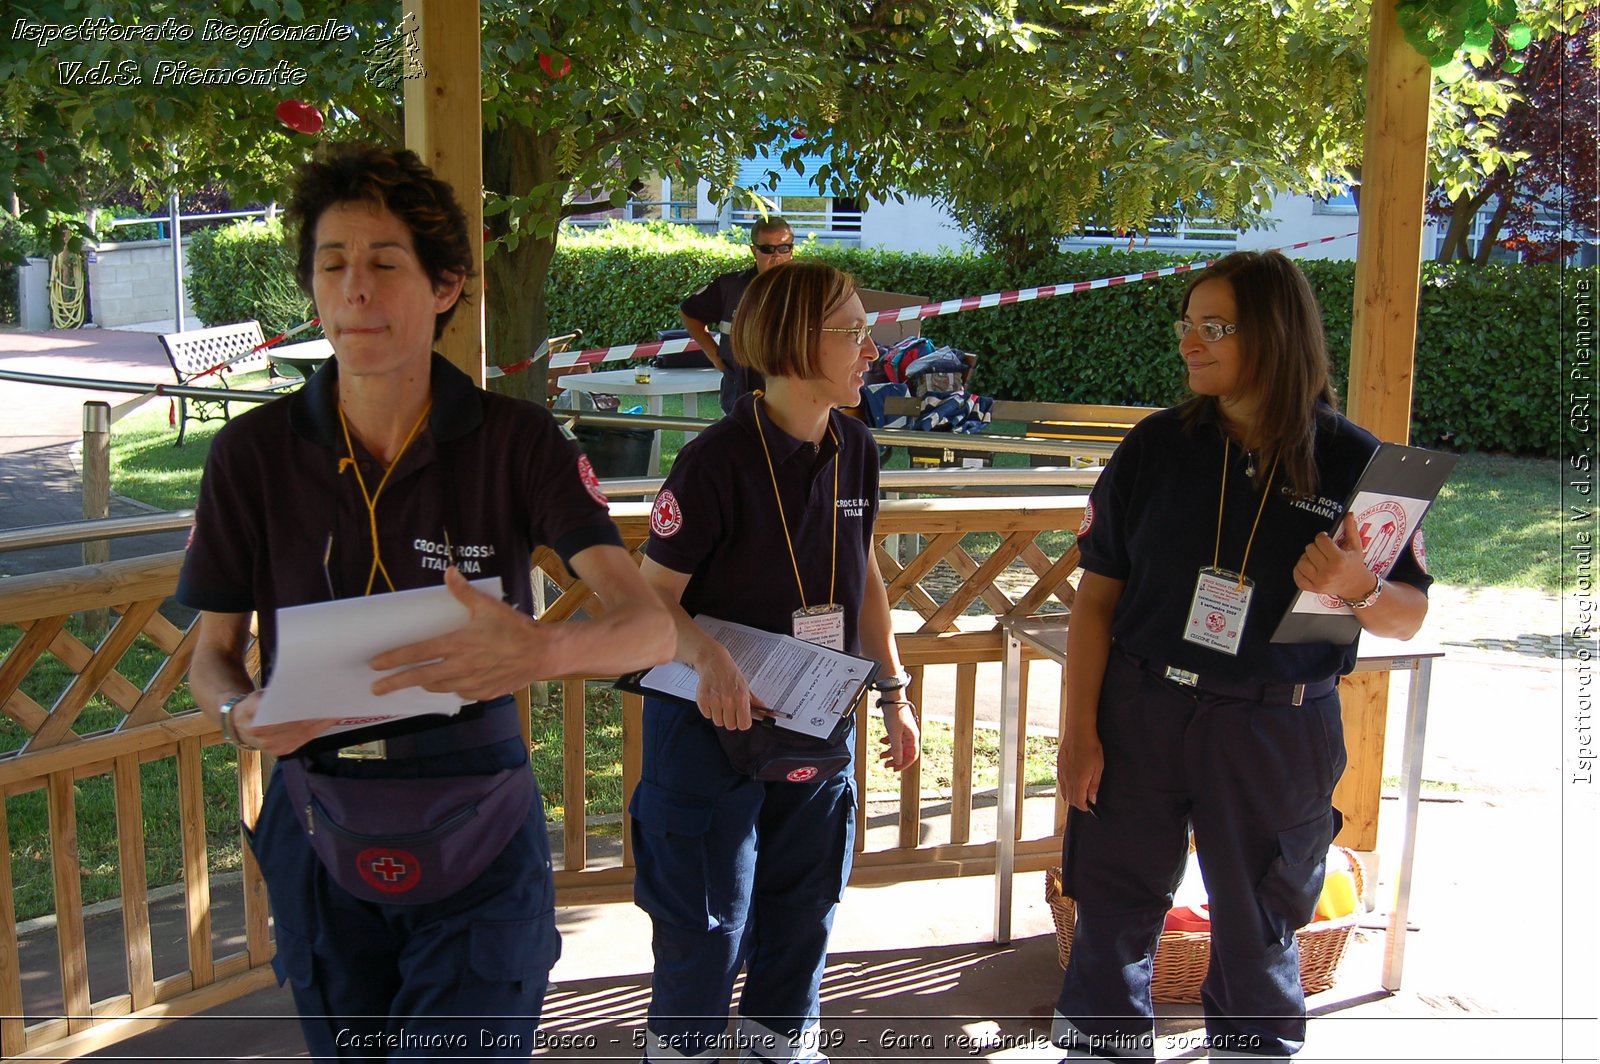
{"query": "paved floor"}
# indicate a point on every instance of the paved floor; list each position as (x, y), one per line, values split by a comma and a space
(1499, 965)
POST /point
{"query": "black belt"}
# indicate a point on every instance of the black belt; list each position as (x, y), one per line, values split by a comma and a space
(1272, 694)
(497, 723)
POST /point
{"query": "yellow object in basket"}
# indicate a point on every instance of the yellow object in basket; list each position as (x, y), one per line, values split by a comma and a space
(1338, 897)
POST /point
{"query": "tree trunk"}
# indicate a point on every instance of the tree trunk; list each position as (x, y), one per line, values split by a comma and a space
(515, 160)
(1491, 231)
(1457, 236)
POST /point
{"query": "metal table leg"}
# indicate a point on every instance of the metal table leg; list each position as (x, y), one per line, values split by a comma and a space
(1005, 846)
(1410, 797)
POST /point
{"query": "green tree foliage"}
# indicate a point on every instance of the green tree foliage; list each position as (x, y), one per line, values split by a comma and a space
(1104, 115)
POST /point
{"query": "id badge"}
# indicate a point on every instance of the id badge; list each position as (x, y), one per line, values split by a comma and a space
(822, 625)
(1216, 617)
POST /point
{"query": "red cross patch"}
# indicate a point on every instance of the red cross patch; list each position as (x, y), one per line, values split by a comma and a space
(391, 871)
(803, 773)
(1088, 519)
(666, 517)
(591, 482)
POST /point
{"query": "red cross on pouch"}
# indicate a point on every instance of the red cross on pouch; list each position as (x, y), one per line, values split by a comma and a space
(389, 871)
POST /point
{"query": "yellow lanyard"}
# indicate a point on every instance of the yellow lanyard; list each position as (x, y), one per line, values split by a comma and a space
(1216, 554)
(785, 520)
(371, 498)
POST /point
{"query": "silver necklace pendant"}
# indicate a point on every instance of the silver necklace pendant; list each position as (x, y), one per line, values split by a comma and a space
(1250, 463)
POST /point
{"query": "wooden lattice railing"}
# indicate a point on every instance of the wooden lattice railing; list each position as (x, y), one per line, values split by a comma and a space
(66, 746)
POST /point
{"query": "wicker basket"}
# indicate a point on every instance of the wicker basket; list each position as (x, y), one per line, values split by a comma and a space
(1182, 956)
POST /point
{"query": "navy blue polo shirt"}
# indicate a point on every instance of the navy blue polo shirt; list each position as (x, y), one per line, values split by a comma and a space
(714, 304)
(1152, 522)
(490, 475)
(716, 518)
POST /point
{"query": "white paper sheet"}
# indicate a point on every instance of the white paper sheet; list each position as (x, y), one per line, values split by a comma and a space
(1386, 523)
(808, 687)
(321, 672)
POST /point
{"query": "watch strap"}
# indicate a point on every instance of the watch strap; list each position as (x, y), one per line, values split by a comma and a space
(230, 730)
(893, 682)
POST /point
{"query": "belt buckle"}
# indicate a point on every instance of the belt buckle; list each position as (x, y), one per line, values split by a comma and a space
(1183, 676)
(375, 750)
(1298, 693)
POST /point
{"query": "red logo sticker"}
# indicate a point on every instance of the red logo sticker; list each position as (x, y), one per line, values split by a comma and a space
(666, 517)
(391, 871)
(591, 482)
(1383, 534)
(800, 775)
(1215, 622)
(1419, 551)
(1088, 519)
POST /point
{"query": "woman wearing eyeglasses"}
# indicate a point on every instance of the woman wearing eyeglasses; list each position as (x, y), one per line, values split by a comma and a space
(766, 520)
(1181, 713)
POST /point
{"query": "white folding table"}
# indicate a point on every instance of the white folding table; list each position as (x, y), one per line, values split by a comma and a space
(685, 382)
(1048, 637)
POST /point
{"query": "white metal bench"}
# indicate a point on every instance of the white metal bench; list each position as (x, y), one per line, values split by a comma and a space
(205, 357)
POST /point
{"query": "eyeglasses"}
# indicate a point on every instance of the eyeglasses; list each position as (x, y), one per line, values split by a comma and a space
(1210, 331)
(774, 249)
(860, 333)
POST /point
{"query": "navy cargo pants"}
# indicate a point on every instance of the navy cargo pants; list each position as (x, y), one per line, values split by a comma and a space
(1256, 782)
(734, 872)
(461, 978)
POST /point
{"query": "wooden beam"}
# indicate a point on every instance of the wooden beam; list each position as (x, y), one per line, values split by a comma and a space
(1383, 337)
(1394, 172)
(444, 125)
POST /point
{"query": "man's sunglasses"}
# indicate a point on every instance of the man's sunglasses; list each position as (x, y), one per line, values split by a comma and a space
(774, 249)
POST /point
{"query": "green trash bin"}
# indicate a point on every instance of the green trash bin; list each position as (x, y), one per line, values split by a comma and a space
(616, 452)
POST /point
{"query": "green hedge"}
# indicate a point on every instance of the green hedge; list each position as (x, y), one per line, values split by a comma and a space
(244, 271)
(1488, 358)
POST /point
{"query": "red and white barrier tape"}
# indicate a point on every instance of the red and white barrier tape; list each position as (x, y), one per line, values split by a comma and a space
(925, 310)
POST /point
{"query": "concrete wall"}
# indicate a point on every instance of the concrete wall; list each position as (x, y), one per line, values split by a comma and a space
(132, 282)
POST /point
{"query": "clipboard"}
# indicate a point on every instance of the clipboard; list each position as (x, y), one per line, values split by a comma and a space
(1391, 497)
(634, 683)
(802, 683)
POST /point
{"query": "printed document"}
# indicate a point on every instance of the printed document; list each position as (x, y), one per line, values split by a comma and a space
(809, 688)
(322, 669)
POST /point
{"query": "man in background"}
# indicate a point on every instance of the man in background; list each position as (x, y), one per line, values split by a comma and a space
(771, 244)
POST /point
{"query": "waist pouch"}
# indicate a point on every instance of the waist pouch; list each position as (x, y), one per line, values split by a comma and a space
(408, 841)
(768, 752)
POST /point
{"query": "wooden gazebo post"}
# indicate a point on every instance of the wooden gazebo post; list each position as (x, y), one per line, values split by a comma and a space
(1383, 342)
(444, 125)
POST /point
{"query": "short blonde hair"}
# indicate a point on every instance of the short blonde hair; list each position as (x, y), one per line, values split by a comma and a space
(777, 329)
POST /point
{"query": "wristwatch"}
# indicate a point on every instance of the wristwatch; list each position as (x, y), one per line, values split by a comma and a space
(1371, 597)
(895, 681)
(230, 731)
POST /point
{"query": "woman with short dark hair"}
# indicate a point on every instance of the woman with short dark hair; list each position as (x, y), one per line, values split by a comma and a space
(1181, 712)
(406, 861)
(765, 520)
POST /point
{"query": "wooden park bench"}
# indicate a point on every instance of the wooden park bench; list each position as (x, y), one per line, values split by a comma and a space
(204, 358)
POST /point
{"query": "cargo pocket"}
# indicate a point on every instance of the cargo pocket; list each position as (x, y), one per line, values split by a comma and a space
(673, 879)
(294, 962)
(517, 951)
(1287, 894)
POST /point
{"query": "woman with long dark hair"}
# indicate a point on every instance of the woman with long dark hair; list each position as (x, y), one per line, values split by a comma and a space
(1181, 712)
